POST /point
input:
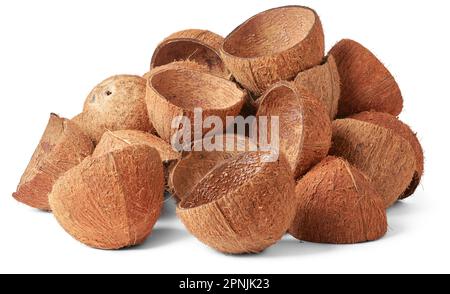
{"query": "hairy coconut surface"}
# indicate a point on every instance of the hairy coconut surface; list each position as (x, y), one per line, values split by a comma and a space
(304, 125)
(385, 157)
(177, 92)
(338, 204)
(62, 146)
(391, 122)
(244, 205)
(113, 200)
(117, 103)
(200, 46)
(274, 45)
(324, 83)
(194, 165)
(366, 84)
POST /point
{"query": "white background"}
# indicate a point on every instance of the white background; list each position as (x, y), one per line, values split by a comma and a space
(53, 52)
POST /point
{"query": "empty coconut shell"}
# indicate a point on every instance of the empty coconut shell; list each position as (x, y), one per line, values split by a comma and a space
(324, 83)
(365, 83)
(113, 200)
(338, 205)
(393, 123)
(274, 45)
(244, 205)
(63, 146)
(304, 125)
(177, 64)
(196, 45)
(117, 103)
(385, 157)
(177, 92)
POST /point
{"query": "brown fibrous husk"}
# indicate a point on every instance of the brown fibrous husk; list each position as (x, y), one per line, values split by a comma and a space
(243, 205)
(385, 157)
(366, 84)
(113, 200)
(62, 146)
(274, 45)
(338, 204)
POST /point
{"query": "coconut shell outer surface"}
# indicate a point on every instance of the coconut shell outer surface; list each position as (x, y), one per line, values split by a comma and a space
(62, 146)
(243, 206)
(304, 125)
(324, 83)
(274, 45)
(111, 201)
(385, 157)
(199, 46)
(175, 65)
(391, 122)
(339, 205)
(366, 84)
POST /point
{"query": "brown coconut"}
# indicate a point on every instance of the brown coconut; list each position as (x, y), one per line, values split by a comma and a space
(244, 205)
(177, 64)
(304, 125)
(63, 146)
(274, 45)
(324, 83)
(393, 123)
(200, 46)
(177, 92)
(338, 204)
(385, 157)
(366, 84)
(117, 103)
(113, 200)
(194, 165)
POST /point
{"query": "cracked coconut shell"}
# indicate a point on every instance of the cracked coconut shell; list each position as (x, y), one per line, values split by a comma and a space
(339, 205)
(200, 46)
(113, 200)
(366, 84)
(243, 205)
(324, 83)
(63, 146)
(175, 92)
(385, 157)
(274, 45)
(393, 123)
(117, 103)
(304, 125)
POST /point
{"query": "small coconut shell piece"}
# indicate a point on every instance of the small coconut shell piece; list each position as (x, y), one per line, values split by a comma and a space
(63, 145)
(385, 157)
(304, 125)
(274, 45)
(117, 103)
(324, 83)
(338, 204)
(366, 84)
(393, 123)
(200, 46)
(244, 205)
(194, 165)
(173, 93)
(113, 200)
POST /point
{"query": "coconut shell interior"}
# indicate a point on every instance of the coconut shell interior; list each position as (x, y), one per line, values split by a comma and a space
(338, 204)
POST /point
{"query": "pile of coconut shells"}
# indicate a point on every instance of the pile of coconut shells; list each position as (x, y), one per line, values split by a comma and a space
(345, 157)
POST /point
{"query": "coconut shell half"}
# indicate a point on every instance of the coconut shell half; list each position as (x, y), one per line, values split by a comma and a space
(274, 45)
(385, 157)
(338, 204)
(200, 46)
(366, 84)
(113, 200)
(63, 146)
(304, 125)
(244, 205)
(324, 83)
(393, 123)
